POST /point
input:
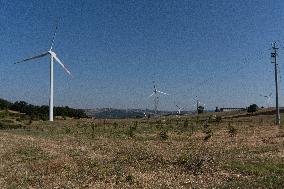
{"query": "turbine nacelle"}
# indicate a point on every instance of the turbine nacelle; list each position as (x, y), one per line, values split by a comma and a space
(52, 54)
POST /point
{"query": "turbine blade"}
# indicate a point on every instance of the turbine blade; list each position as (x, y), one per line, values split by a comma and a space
(53, 38)
(151, 95)
(32, 58)
(162, 92)
(62, 65)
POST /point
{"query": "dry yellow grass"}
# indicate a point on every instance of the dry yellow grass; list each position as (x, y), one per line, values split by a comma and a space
(130, 154)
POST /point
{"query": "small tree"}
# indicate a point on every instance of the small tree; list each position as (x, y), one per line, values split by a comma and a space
(217, 109)
(4, 104)
(93, 130)
(200, 109)
(163, 135)
(185, 123)
(252, 108)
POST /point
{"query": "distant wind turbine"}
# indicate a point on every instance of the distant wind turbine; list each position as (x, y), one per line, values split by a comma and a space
(268, 98)
(53, 57)
(179, 109)
(144, 113)
(156, 99)
(198, 103)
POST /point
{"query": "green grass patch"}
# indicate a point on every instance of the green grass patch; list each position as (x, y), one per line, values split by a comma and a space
(267, 173)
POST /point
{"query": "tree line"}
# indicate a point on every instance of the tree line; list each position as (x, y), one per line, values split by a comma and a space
(41, 112)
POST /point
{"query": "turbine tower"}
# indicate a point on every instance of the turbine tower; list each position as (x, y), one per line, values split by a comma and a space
(156, 97)
(53, 57)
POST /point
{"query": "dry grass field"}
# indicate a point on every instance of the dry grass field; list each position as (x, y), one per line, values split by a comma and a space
(231, 151)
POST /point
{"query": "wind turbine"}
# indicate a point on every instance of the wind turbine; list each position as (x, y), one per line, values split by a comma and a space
(268, 97)
(156, 99)
(198, 103)
(53, 57)
(144, 113)
(179, 109)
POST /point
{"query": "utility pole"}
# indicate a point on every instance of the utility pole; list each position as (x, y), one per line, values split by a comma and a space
(273, 61)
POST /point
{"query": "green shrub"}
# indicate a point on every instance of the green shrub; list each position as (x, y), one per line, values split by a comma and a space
(67, 130)
(209, 134)
(30, 121)
(132, 129)
(93, 130)
(135, 125)
(163, 135)
(218, 119)
(130, 179)
(192, 128)
(177, 122)
(205, 126)
(4, 126)
(185, 123)
(232, 130)
(191, 163)
(159, 121)
(4, 114)
(115, 125)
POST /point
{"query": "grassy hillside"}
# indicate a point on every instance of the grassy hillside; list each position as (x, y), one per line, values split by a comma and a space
(229, 151)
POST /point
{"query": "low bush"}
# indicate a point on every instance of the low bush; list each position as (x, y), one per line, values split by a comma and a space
(163, 135)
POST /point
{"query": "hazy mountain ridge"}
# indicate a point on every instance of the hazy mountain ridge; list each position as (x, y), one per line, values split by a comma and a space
(113, 113)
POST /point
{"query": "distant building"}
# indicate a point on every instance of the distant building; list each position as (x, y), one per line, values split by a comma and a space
(232, 109)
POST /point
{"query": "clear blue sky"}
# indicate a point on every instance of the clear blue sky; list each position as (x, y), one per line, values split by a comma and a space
(217, 50)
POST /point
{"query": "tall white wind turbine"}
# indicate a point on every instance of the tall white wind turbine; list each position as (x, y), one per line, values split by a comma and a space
(53, 57)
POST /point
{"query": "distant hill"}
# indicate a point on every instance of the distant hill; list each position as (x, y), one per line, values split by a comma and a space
(112, 113)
